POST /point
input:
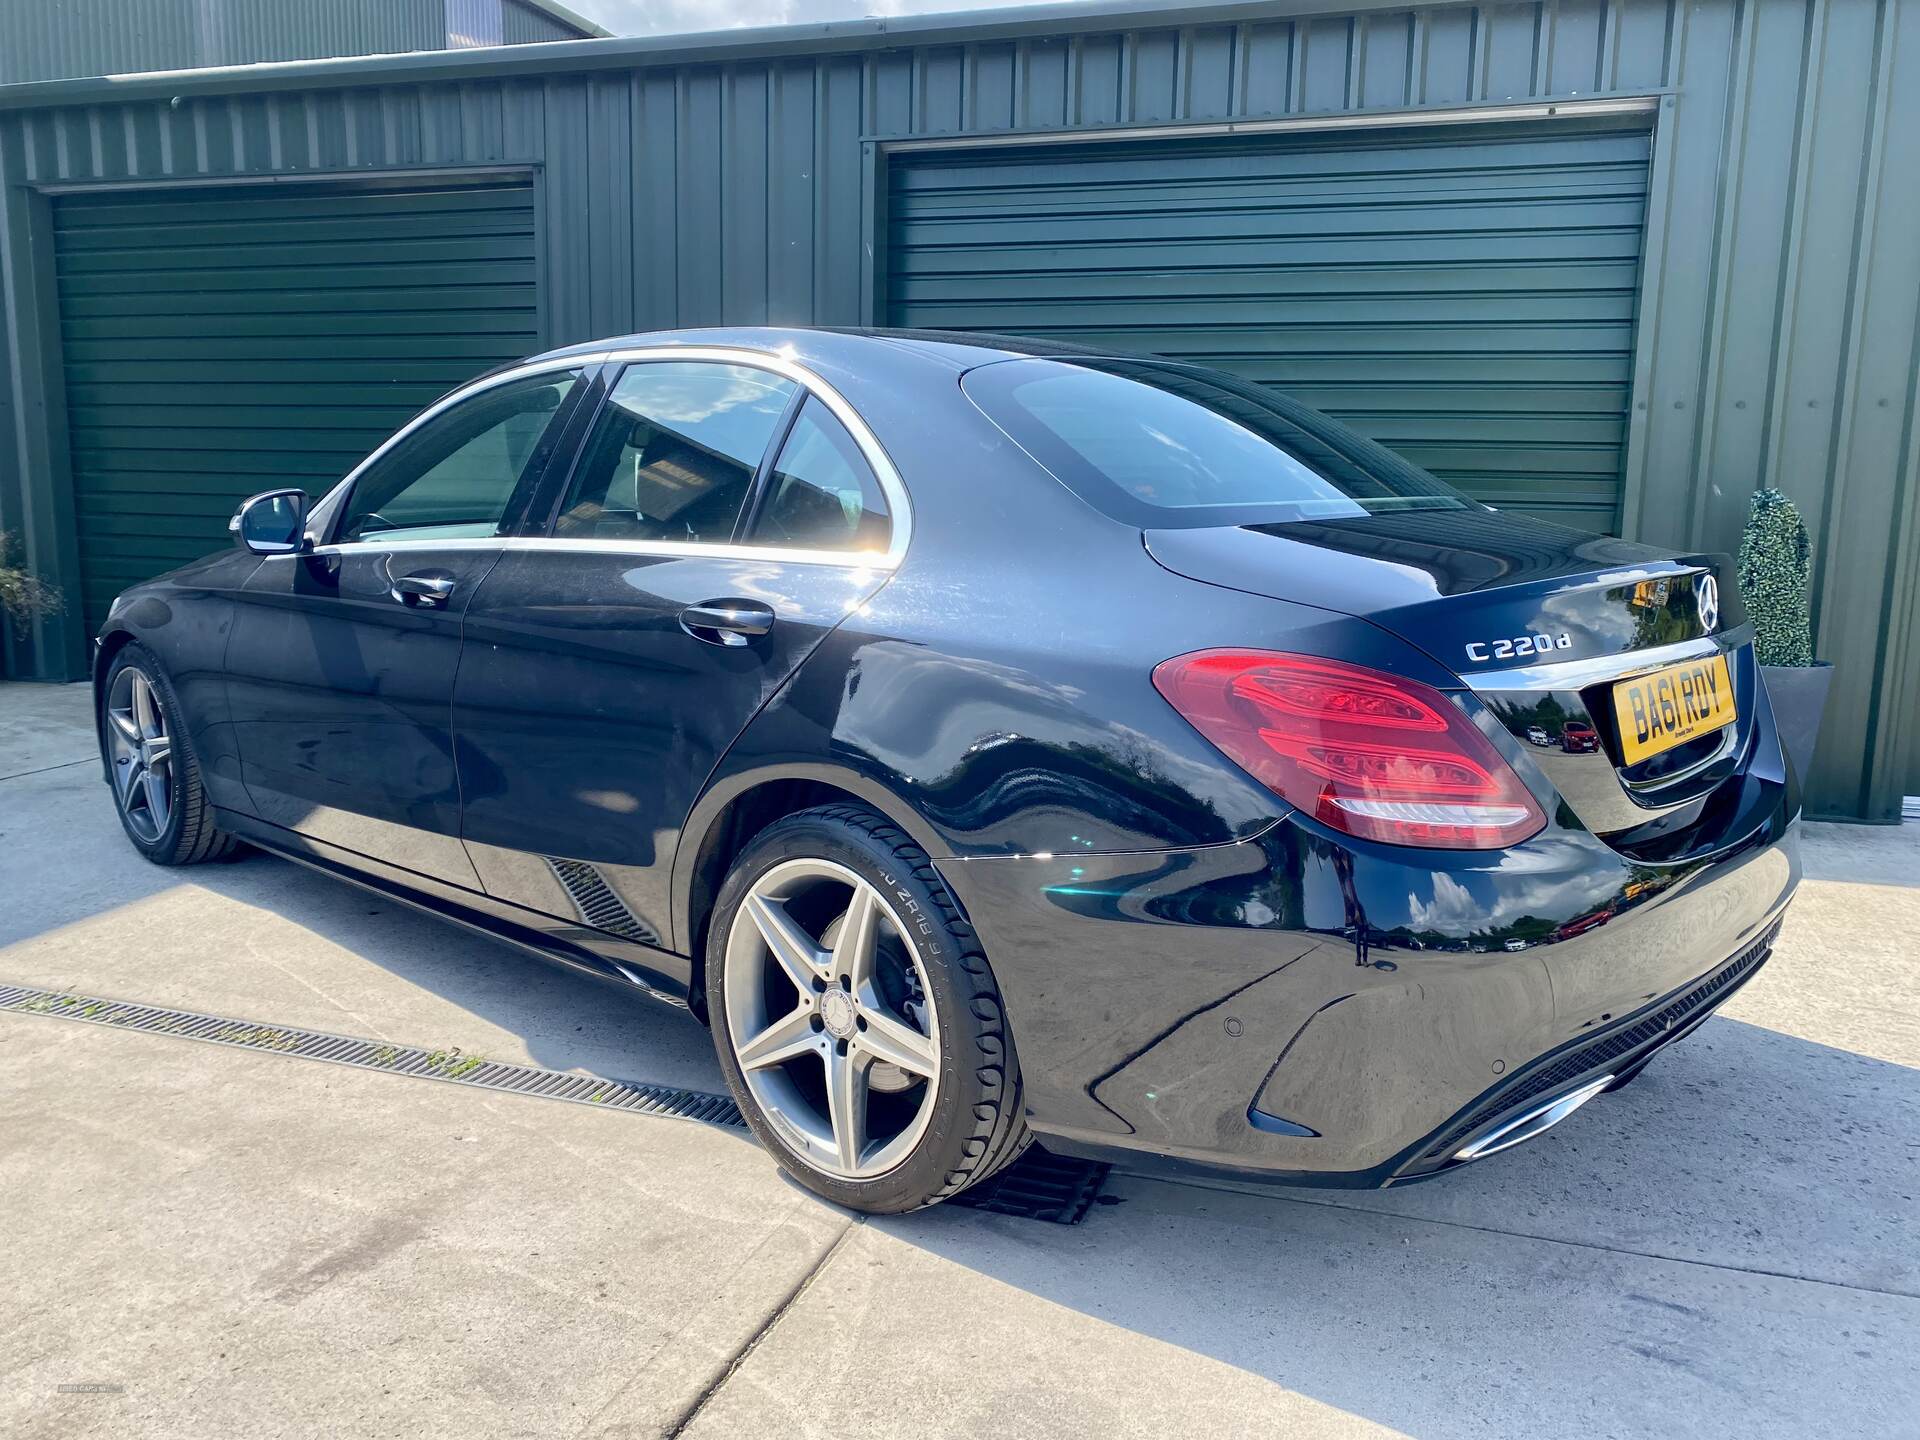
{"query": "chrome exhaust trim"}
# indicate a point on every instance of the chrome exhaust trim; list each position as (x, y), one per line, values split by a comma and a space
(1535, 1122)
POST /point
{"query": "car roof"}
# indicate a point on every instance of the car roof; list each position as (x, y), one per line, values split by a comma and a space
(958, 349)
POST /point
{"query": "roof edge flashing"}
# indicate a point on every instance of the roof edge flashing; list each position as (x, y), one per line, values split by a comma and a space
(1073, 17)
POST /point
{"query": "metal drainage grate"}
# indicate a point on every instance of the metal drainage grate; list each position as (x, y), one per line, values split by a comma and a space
(452, 1065)
(1038, 1186)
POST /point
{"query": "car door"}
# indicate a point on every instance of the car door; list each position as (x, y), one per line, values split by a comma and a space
(720, 520)
(341, 663)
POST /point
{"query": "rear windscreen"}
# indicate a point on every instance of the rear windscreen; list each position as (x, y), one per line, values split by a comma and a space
(1160, 445)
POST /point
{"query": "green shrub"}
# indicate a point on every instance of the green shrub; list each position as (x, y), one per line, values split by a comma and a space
(23, 595)
(1775, 559)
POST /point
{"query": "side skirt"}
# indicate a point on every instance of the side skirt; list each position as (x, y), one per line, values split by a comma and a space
(659, 974)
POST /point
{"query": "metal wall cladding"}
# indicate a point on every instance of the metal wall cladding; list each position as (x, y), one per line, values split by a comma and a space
(1776, 330)
(1462, 294)
(228, 341)
(243, 32)
(52, 39)
(524, 25)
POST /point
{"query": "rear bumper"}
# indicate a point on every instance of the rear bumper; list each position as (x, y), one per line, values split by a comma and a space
(1316, 1011)
(1609, 1055)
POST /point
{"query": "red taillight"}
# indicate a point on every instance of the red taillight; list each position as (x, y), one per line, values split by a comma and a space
(1370, 754)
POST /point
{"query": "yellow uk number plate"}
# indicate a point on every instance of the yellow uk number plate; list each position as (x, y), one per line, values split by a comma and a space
(1669, 707)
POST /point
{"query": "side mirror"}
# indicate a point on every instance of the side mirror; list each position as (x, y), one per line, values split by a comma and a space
(272, 523)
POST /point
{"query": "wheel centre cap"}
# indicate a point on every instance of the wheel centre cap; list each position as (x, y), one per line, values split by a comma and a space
(836, 1013)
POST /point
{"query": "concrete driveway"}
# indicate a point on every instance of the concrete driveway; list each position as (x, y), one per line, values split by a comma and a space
(200, 1240)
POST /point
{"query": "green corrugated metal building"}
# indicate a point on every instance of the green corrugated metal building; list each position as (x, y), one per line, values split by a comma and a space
(1616, 262)
(60, 39)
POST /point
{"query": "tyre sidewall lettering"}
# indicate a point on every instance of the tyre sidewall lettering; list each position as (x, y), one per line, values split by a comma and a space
(908, 910)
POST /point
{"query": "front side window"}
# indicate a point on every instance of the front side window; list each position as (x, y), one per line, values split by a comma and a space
(453, 477)
(674, 452)
(822, 494)
(1156, 445)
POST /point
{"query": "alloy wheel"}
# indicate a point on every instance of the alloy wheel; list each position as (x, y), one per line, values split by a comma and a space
(829, 1015)
(142, 753)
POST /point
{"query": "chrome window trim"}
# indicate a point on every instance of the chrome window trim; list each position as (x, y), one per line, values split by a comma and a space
(1578, 674)
(775, 363)
(587, 545)
(901, 520)
(340, 490)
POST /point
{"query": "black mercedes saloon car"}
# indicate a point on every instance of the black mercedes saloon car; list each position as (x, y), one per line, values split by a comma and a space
(991, 740)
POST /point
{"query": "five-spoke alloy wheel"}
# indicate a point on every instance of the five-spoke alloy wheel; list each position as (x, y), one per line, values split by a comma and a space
(150, 759)
(142, 754)
(827, 1011)
(857, 1019)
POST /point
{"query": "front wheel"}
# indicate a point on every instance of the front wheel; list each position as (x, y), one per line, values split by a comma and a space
(856, 1017)
(156, 776)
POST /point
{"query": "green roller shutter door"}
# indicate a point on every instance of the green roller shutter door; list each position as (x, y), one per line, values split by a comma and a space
(220, 342)
(1464, 295)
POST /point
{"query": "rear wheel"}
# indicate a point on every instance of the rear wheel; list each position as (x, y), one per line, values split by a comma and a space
(156, 776)
(856, 1017)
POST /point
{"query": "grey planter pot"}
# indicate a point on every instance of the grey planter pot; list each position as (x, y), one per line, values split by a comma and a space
(1799, 695)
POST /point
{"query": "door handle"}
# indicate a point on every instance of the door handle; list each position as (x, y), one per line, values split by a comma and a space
(726, 622)
(427, 589)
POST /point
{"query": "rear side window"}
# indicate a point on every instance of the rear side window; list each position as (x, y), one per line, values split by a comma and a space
(1159, 445)
(673, 454)
(822, 494)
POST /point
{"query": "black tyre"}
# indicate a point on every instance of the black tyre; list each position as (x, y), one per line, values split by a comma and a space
(856, 1017)
(155, 774)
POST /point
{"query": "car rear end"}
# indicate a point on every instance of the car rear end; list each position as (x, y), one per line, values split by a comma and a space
(1669, 759)
(1675, 780)
(1473, 934)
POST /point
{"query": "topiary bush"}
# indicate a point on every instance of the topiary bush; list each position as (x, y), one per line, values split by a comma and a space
(1775, 560)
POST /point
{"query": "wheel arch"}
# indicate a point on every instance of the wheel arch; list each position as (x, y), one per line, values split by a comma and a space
(109, 644)
(734, 810)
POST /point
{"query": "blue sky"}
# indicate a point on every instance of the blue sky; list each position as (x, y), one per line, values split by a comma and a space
(669, 17)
